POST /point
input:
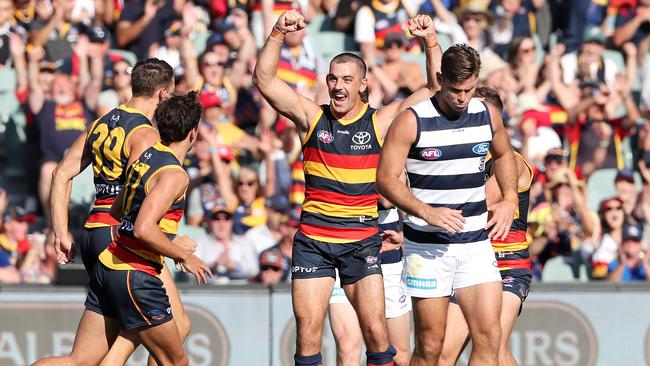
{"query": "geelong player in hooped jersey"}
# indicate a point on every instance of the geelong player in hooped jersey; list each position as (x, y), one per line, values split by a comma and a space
(512, 258)
(338, 230)
(110, 144)
(443, 142)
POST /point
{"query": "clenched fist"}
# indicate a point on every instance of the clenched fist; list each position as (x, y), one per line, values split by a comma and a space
(422, 26)
(290, 21)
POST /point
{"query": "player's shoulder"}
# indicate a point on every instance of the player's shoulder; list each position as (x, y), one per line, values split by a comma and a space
(424, 108)
(476, 106)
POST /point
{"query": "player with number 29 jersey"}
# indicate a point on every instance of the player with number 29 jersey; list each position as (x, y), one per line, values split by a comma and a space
(108, 139)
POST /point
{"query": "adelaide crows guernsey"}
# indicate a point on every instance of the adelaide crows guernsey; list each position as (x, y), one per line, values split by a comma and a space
(340, 160)
(446, 168)
(512, 252)
(391, 18)
(128, 253)
(108, 140)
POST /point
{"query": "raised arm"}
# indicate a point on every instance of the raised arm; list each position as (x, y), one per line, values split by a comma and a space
(74, 162)
(127, 31)
(505, 167)
(36, 93)
(401, 135)
(279, 94)
(422, 27)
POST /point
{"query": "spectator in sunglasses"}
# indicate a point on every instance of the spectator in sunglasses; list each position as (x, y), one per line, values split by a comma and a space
(612, 218)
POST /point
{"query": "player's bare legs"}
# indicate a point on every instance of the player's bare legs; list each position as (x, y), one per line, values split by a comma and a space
(347, 334)
(95, 334)
(509, 313)
(310, 297)
(399, 335)
(481, 306)
(456, 336)
(163, 343)
(430, 320)
(367, 297)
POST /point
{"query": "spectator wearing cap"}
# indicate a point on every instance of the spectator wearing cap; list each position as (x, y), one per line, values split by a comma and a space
(376, 20)
(169, 50)
(632, 263)
(143, 23)
(275, 262)
(588, 63)
(555, 163)
(13, 242)
(562, 225)
(612, 219)
(229, 256)
(632, 23)
(60, 120)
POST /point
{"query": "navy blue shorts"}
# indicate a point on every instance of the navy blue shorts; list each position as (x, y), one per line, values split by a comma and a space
(136, 298)
(93, 242)
(314, 259)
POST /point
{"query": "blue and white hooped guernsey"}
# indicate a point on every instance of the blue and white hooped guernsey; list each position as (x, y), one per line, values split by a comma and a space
(446, 168)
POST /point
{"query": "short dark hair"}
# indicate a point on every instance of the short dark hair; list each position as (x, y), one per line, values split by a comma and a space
(459, 63)
(490, 96)
(150, 75)
(348, 57)
(177, 116)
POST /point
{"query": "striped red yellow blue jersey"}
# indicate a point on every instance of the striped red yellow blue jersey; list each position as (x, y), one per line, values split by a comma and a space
(517, 238)
(340, 160)
(297, 190)
(108, 140)
(391, 18)
(297, 67)
(127, 252)
(279, 6)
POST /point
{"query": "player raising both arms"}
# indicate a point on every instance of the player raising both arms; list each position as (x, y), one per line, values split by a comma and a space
(511, 255)
(338, 229)
(127, 282)
(111, 143)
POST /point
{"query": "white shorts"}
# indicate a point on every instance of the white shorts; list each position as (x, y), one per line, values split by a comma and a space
(397, 303)
(434, 270)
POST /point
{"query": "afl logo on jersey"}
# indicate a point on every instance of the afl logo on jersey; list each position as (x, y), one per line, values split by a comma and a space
(361, 138)
(481, 149)
(431, 153)
(325, 136)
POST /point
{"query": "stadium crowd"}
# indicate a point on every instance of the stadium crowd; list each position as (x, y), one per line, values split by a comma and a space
(574, 77)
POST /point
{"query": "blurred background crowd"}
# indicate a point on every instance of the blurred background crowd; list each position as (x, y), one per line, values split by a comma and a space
(574, 76)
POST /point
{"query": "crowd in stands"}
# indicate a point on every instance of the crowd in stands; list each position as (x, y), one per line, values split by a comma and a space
(574, 77)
